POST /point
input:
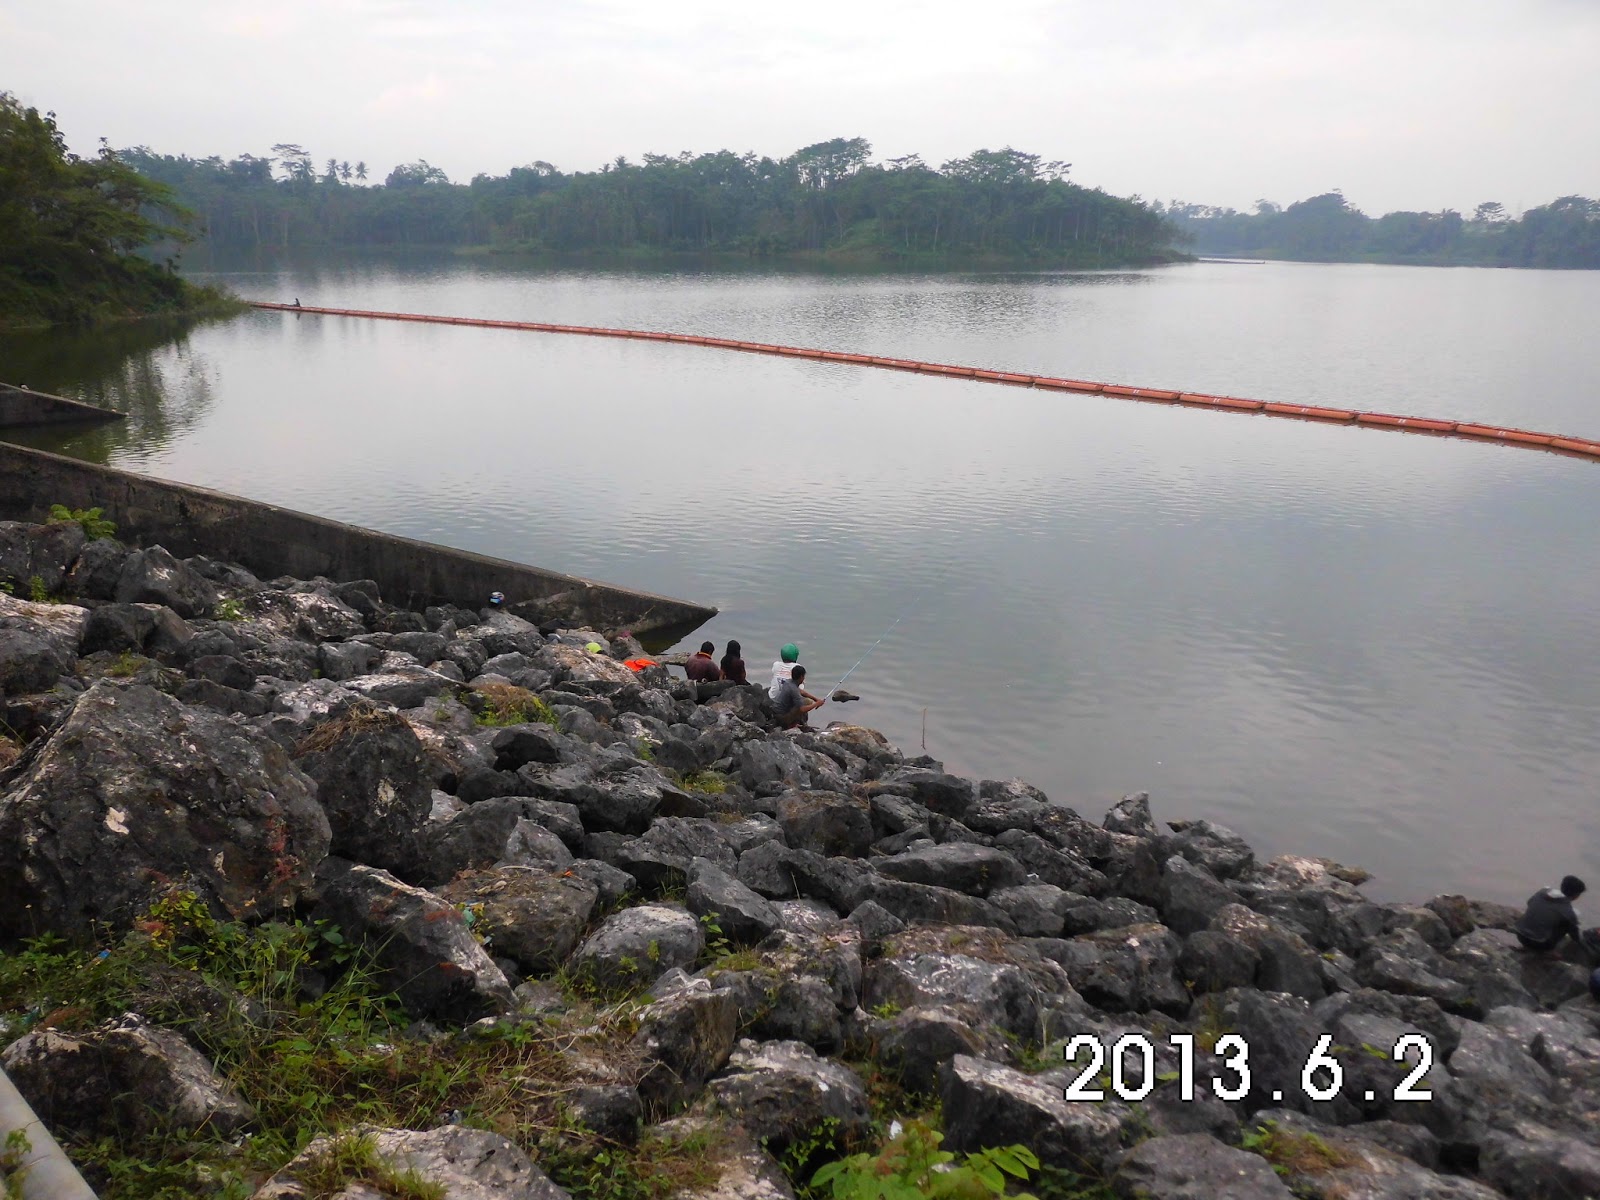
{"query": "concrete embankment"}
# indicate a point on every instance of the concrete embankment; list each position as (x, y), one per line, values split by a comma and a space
(20, 406)
(278, 541)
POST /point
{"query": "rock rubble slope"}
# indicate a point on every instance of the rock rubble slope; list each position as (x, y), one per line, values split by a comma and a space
(804, 927)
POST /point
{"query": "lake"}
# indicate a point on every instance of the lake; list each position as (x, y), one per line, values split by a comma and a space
(1338, 641)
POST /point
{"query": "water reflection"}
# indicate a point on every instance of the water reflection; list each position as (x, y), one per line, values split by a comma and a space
(147, 370)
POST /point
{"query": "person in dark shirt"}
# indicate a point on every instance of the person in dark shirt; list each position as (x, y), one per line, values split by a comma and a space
(701, 667)
(1551, 917)
(733, 665)
(793, 702)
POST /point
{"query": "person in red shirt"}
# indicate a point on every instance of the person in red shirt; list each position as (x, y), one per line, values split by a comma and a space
(701, 667)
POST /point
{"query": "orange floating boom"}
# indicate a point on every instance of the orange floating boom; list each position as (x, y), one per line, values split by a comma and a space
(1526, 438)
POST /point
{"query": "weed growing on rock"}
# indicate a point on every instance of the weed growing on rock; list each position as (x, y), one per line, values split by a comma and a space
(360, 716)
(37, 592)
(125, 664)
(229, 610)
(1292, 1153)
(506, 704)
(354, 1159)
(707, 783)
(95, 526)
(599, 1169)
(913, 1167)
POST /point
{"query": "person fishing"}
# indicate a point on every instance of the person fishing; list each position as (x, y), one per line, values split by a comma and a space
(1550, 917)
(793, 703)
(732, 665)
(701, 667)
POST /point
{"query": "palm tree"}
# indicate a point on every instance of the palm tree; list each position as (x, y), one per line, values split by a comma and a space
(361, 171)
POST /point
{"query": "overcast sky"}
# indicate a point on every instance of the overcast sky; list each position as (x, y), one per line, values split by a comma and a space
(1404, 104)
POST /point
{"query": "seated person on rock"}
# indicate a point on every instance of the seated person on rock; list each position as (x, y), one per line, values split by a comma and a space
(793, 702)
(787, 657)
(733, 665)
(701, 667)
(1551, 917)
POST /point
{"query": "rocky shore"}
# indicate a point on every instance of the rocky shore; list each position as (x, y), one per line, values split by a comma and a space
(615, 936)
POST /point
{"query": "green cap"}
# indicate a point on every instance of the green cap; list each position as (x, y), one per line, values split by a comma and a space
(790, 653)
(593, 647)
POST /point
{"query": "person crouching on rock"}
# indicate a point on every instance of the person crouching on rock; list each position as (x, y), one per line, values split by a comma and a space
(793, 702)
(1550, 917)
(733, 665)
(701, 667)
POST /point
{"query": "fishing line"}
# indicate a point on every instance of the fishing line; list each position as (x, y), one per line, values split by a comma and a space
(869, 650)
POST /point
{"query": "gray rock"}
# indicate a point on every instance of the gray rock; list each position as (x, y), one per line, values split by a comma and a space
(1530, 1162)
(424, 949)
(987, 994)
(1215, 847)
(506, 830)
(372, 782)
(913, 1045)
(468, 1164)
(924, 903)
(1403, 963)
(826, 823)
(1285, 962)
(1281, 1034)
(741, 914)
(874, 921)
(986, 1105)
(617, 798)
(124, 1077)
(1087, 915)
(32, 660)
(1196, 1167)
(1190, 896)
(1214, 962)
(782, 1093)
(661, 855)
(1131, 815)
(94, 576)
(744, 1171)
(682, 1041)
(1492, 1056)
(613, 882)
(341, 661)
(1132, 969)
(531, 917)
(522, 744)
(152, 576)
(1062, 868)
(45, 552)
(152, 792)
(801, 1009)
(959, 866)
(632, 947)
(1035, 909)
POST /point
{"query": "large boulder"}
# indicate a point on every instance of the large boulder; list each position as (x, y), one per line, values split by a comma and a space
(959, 866)
(826, 823)
(42, 552)
(682, 1041)
(533, 918)
(511, 830)
(424, 948)
(31, 660)
(995, 995)
(1131, 969)
(452, 1161)
(986, 1104)
(124, 1077)
(153, 576)
(634, 946)
(783, 1093)
(373, 783)
(135, 793)
(663, 853)
(1193, 1166)
(716, 896)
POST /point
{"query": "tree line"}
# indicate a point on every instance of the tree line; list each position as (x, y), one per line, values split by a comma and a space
(825, 199)
(1563, 233)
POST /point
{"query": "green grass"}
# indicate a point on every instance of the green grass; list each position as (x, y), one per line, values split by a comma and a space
(501, 704)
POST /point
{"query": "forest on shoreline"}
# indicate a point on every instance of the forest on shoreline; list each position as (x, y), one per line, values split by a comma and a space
(827, 202)
(75, 229)
(1562, 234)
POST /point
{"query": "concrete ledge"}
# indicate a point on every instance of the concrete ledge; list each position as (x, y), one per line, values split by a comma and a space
(274, 541)
(19, 406)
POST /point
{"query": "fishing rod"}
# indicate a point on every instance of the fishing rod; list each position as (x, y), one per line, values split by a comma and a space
(869, 650)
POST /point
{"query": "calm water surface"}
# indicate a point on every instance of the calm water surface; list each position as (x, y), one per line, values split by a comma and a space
(1340, 642)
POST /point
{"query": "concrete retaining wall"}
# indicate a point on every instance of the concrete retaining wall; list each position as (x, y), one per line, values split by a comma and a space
(274, 541)
(19, 406)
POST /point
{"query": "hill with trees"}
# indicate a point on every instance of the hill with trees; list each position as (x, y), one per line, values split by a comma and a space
(1564, 233)
(826, 201)
(73, 229)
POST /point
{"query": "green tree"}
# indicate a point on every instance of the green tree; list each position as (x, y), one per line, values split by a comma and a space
(72, 227)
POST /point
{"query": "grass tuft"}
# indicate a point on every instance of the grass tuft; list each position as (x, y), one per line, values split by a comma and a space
(506, 704)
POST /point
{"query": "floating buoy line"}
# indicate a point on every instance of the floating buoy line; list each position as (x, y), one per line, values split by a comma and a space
(1472, 431)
